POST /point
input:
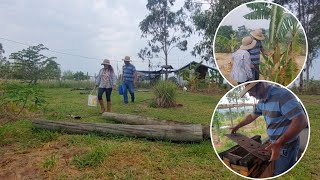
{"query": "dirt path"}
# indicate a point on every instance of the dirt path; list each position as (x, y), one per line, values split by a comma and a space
(28, 164)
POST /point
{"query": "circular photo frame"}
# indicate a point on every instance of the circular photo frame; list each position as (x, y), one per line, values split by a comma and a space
(260, 130)
(260, 41)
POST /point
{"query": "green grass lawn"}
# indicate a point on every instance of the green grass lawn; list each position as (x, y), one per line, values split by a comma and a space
(40, 154)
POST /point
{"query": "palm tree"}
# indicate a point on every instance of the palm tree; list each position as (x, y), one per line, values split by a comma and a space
(281, 66)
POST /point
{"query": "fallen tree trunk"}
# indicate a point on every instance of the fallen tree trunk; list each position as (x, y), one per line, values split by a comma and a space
(183, 133)
(139, 120)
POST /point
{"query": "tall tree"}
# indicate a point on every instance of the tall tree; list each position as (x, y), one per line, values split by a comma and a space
(29, 64)
(207, 21)
(1, 51)
(52, 70)
(68, 75)
(5, 68)
(79, 76)
(164, 28)
(4, 64)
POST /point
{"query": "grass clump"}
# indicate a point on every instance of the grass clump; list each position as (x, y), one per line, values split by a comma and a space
(92, 158)
(165, 94)
(50, 162)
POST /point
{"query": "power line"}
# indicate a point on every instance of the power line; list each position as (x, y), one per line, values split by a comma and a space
(59, 52)
(69, 54)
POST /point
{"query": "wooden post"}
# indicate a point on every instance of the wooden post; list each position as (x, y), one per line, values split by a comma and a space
(139, 120)
(183, 133)
(231, 117)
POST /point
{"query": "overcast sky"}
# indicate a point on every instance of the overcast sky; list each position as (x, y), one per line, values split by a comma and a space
(93, 28)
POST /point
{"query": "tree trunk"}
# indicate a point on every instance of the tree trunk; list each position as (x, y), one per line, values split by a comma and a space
(301, 82)
(231, 117)
(139, 120)
(178, 133)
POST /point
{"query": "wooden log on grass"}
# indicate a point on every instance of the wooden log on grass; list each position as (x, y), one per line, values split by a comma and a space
(139, 120)
(183, 133)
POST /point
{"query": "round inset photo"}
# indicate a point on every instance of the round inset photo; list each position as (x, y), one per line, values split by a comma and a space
(260, 129)
(260, 41)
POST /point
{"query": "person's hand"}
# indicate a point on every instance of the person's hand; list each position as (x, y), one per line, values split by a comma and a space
(234, 129)
(276, 149)
(251, 66)
(97, 85)
(114, 87)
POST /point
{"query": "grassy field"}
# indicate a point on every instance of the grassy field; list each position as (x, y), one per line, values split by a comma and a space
(39, 154)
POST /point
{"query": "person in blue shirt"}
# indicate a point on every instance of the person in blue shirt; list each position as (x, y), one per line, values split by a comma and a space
(255, 52)
(129, 78)
(105, 81)
(285, 119)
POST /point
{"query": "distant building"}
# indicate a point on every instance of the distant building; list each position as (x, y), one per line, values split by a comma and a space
(202, 70)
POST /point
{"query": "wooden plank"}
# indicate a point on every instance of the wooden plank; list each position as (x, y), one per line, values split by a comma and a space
(185, 133)
(259, 171)
(140, 120)
(226, 161)
(268, 171)
(250, 145)
(233, 158)
(236, 149)
(247, 160)
(248, 172)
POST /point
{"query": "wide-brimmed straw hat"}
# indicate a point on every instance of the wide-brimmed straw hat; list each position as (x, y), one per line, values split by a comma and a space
(126, 58)
(248, 43)
(106, 62)
(247, 87)
(257, 34)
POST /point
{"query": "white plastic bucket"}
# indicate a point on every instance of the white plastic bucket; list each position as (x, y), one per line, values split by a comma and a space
(92, 100)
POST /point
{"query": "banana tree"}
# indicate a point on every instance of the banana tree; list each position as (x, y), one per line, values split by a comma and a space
(191, 75)
(280, 66)
(225, 44)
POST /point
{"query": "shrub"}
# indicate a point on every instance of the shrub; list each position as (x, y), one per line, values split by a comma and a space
(17, 97)
(165, 94)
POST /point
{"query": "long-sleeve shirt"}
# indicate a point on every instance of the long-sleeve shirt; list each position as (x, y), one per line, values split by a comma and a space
(106, 79)
(241, 70)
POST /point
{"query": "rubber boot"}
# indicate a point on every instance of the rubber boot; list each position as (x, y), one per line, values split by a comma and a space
(109, 106)
(132, 97)
(101, 106)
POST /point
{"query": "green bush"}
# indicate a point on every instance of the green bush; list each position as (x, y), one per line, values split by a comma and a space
(16, 97)
(165, 94)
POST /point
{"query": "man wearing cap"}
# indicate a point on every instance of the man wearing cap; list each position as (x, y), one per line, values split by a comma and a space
(255, 52)
(129, 78)
(106, 81)
(285, 119)
(241, 71)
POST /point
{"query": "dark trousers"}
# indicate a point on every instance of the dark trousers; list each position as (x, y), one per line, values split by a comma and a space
(108, 93)
(255, 72)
